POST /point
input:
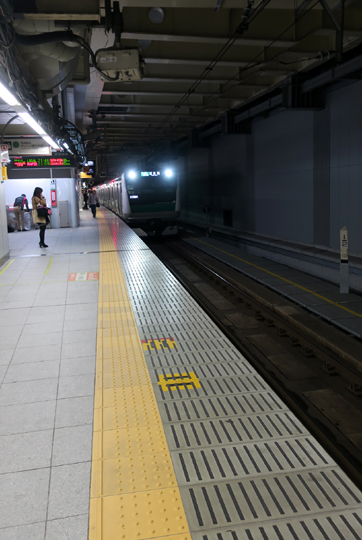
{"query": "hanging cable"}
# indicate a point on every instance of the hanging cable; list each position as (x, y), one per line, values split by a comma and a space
(249, 15)
(215, 95)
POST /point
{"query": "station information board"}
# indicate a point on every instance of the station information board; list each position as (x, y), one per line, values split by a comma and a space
(42, 162)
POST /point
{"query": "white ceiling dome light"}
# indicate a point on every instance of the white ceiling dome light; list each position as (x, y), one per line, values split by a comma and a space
(156, 15)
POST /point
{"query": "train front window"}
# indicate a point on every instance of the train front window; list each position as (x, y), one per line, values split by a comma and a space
(151, 190)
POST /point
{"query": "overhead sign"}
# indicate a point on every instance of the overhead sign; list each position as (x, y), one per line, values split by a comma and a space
(41, 163)
(29, 147)
(153, 173)
(4, 153)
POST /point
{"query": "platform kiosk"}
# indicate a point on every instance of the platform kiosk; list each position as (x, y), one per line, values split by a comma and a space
(57, 175)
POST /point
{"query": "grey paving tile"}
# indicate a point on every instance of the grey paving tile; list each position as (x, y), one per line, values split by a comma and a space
(82, 299)
(77, 311)
(6, 356)
(46, 314)
(76, 386)
(56, 318)
(74, 411)
(54, 301)
(68, 528)
(80, 336)
(18, 304)
(77, 366)
(77, 350)
(72, 445)
(23, 497)
(3, 370)
(31, 371)
(13, 331)
(56, 277)
(80, 286)
(18, 294)
(48, 339)
(8, 342)
(5, 289)
(25, 451)
(36, 353)
(81, 324)
(29, 391)
(69, 490)
(27, 417)
(51, 288)
(43, 328)
(33, 531)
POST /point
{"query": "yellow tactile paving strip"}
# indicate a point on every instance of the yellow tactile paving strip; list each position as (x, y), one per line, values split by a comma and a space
(134, 492)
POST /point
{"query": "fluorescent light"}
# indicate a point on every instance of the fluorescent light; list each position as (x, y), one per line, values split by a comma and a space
(132, 174)
(52, 143)
(168, 173)
(8, 96)
(32, 123)
(66, 145)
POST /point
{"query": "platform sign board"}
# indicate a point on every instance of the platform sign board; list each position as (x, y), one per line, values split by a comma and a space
(344, 244)
(4, 153)
(42, 162)
(29, 146)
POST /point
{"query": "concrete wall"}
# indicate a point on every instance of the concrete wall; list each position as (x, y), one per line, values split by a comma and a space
(297, 176)
(284, 176)
(345, 164)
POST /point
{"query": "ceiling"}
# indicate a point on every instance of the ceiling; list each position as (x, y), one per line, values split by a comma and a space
(182, 88)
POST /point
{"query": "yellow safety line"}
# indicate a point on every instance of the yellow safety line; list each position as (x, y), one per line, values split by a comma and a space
(134, 491)
(49, 265)
(283, 279)
(7, 266)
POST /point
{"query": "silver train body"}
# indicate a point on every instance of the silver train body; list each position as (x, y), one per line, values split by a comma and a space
(149, 200)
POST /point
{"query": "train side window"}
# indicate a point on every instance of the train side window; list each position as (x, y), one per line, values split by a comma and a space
(228, 218)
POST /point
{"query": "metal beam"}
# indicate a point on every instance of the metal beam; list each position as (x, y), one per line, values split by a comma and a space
(140, 125)
(171, 94)
(180, 80)
(192, 62)
(195, 119)
(210, 40)
(59, 16)
(151, 106)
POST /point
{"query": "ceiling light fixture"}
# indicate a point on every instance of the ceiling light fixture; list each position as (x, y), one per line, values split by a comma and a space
(52, 143)
(32, 123)
(11, 100)
(156, 15)
(7, 96)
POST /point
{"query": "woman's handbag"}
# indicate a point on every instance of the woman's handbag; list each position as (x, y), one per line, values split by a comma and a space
(98, 205)
(43, 211)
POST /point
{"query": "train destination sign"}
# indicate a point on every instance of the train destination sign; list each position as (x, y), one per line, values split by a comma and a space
(150, 173)
(41, 162)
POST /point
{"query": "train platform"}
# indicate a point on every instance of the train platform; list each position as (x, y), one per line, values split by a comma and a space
(125, 413)
(309, 291)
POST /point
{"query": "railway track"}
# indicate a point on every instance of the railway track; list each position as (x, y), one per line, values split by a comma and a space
(314, 367)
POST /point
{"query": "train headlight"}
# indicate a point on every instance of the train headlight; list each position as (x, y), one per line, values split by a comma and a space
(168, 173)
(132, 174)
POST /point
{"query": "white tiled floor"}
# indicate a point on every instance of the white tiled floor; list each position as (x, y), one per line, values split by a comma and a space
(47, 365)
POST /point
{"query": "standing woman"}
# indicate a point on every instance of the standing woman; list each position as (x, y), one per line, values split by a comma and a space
(38, 199)
(93, 202)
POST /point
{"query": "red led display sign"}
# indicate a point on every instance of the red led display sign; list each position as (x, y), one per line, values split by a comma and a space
(41, 162)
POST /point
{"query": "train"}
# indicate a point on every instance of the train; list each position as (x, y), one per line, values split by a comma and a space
(149, 200)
